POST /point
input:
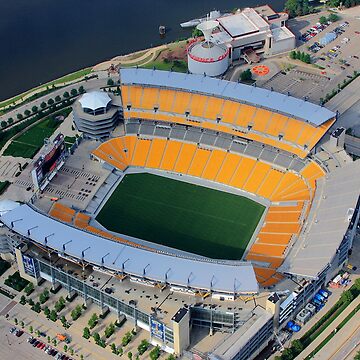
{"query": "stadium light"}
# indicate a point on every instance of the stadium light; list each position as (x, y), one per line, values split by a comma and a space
(102, 259)
(83, 252)
(144, 270)
(46, 238)
(14, 221)
(166, 274)
(32, 228)
(123, 265)
(68, 242)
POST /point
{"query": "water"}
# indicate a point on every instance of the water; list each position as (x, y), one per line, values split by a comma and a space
(45, 39)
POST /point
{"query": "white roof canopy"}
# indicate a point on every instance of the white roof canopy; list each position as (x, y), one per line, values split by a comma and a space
(94, 100)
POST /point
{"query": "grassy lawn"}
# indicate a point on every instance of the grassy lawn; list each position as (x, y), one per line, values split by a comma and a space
(67, 78)
(70, 140)
(181, 215)
(177, 65)
(30, 142)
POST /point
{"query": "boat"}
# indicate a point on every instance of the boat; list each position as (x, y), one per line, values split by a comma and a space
(194, 22)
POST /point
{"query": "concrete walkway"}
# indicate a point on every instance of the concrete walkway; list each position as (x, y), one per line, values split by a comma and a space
(329, 330)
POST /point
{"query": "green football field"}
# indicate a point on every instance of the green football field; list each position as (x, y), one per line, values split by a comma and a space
(182, 215)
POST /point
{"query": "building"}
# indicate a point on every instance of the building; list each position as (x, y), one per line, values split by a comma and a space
(97, 113)
(246, 35)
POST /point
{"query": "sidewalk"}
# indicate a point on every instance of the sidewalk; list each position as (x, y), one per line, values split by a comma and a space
(328, 330)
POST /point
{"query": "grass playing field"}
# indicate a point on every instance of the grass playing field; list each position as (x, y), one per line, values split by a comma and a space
(181, 215)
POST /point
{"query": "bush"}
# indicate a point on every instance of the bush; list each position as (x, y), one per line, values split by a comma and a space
(109, 330)
(10, 120)
(50, 101)
(144, 345)
(66, 95)
(43, 105)
(246, 75)
(74, 92)
(155, 353)
(126, 339)
(34, 109)
(57, 98)
(86, 333)
(76, 313)
(19, 116)
(16, 282)
(93, 321)
(110, 82)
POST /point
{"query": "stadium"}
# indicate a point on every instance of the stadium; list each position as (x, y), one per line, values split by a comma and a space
(213, 192)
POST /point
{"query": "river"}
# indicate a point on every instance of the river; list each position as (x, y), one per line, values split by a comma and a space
(45, 39)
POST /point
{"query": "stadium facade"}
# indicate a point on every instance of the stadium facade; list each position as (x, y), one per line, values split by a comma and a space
(220, 134)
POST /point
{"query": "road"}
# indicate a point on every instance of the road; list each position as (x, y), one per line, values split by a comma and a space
(88, 85)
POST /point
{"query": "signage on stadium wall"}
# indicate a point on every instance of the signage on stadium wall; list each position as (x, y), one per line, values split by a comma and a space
(29, 265)
(157, 329)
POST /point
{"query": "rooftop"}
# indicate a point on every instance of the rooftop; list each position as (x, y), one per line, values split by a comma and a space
(328, 221)
(252, 95)
(220, 277)
(95, 100)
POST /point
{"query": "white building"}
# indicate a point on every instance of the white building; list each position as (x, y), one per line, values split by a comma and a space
(243, 35)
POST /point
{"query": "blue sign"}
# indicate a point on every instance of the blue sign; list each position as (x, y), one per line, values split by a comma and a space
(29, 265)
(157, 329)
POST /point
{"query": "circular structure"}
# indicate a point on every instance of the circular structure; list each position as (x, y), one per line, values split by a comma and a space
(95, 100)
(206, 57)
(260, 70)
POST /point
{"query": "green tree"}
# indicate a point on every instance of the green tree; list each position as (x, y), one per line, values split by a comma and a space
(307, 59)
(46, 311)
(323, 20)
(48, 339)
(292, 54)
(346, 296)
(37, 333)
(22, 324)
(357, 356)
(81, 357)
(196, 33)
(171, 357)
(246, 75)
(81, 89)
(74, 92)
(333, 17)
(43, 105)
(113, 348)
(19, 116)
(86, 333)
(54, 342)
(16, 321)
(71, 350)
(27, 112)
(155, 353)
(109, 330)
(66, 95)
(120, 351)
(29, 288)
(37, 307)
(53, 315)
(10, 120)
(110, 82)
(31, 302)
(297, 346)
(93, 321)
(34, 109)
(50, 101)
(65, 348)
(3, 123)
(287, 354)
(31, 329)
(143, 346)
(96, 337)
(291, 6)
(23, 300)
(64, 321)
(130, 355)
(57, 98)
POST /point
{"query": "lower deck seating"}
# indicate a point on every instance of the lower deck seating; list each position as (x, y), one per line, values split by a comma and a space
(289, 192)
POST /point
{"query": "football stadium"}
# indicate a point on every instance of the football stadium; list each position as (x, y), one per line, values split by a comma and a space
(206, 195)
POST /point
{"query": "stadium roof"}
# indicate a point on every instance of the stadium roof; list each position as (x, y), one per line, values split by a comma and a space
(94, 100)
(272, 100)
(328, 221)
(229, 278)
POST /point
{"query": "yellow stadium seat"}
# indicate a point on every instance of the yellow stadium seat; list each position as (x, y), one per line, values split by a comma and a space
(199, 161)
(149, 98)
(228, 167)
(198, 103)
(277, 239)
(166, 100)
(214, 164)
(268, 250)
(257, 176)
(242, 172)
(245, 115)
(276, 125)
(213, 108)
(156, 153)
(142, 148)
(268, 187)
(281, 227)
(185, 157)
(230, 111)
(261, 119)
(181, 102)
(170, 156)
